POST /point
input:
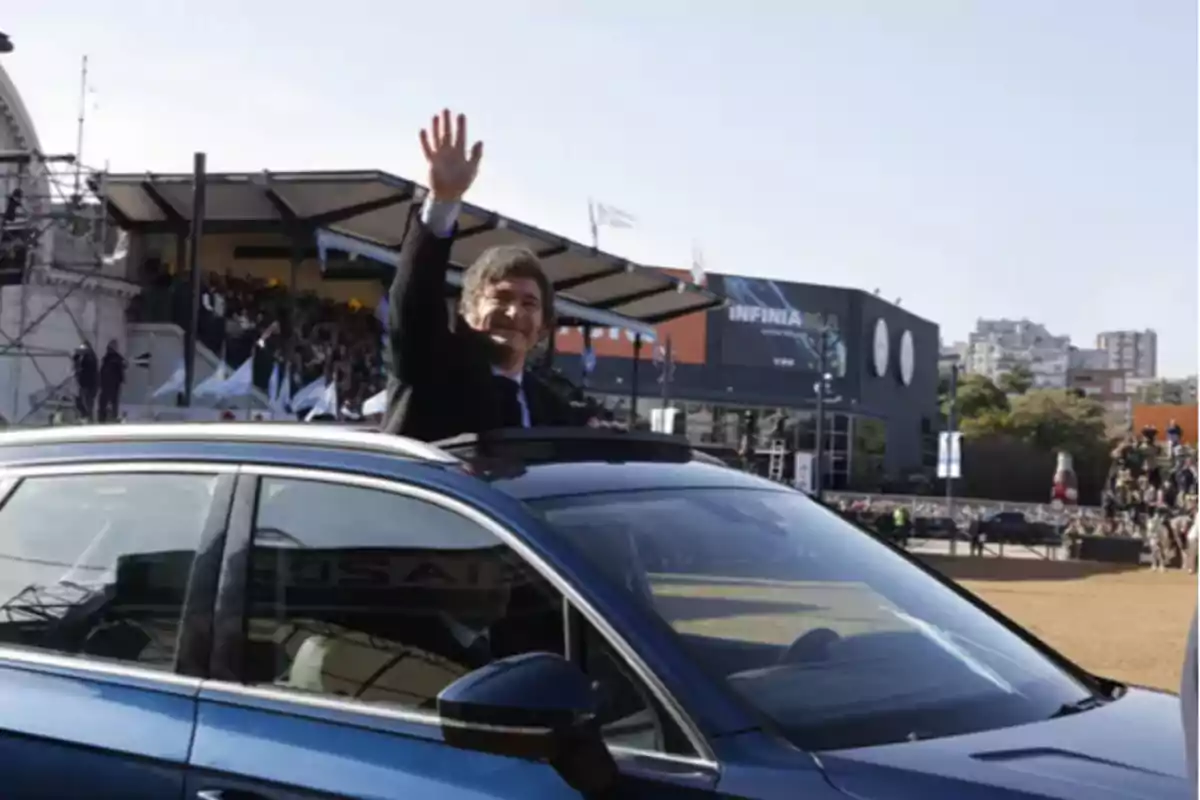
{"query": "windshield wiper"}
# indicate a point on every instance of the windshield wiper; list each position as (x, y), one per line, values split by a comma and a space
(1086, 704)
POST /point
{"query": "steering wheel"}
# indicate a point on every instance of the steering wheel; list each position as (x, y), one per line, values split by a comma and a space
(810, 646)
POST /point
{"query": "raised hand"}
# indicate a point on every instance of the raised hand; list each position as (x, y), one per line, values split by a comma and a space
(451, 169)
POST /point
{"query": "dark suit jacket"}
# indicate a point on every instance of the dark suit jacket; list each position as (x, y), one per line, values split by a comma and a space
(441, 382)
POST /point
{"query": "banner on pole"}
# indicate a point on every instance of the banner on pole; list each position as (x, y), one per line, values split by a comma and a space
(949, 455)
(803, 472)
(665, 420)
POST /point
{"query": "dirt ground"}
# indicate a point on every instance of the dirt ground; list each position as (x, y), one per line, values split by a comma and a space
(1130, 625)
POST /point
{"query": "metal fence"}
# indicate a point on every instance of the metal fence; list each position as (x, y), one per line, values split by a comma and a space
(966, 509)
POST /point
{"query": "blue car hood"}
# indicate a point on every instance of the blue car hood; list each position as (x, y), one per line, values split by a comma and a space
(1129, 749)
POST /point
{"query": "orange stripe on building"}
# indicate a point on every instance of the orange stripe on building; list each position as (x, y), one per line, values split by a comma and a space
(1160, 417)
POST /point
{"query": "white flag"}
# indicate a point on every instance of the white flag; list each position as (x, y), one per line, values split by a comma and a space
(283, 403)
(211, 386)
(697, 264)
(613, 217)
(120, 251)
(239, 384)
(174, 384)
(376, 404)
(273, 386)
(327, 403)
(309, 395)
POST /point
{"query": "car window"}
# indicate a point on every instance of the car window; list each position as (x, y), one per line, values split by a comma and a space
(383, 598)
(828, 632)
(98, 565)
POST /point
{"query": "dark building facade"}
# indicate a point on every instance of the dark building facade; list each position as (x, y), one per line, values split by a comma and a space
(762, 354)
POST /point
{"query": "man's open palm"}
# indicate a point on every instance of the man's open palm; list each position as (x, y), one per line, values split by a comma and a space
(451, 169)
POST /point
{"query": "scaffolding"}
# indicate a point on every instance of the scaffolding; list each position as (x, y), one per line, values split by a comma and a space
(55, 249)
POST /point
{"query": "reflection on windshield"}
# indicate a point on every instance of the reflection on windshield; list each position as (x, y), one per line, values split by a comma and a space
(945, 640)
(833, 636)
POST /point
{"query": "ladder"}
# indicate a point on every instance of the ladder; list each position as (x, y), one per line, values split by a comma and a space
(777, 458)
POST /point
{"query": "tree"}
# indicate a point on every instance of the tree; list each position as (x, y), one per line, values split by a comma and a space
(976, 396)
(1010, 443)
(990, 422)
(1055, 419)
(1017, 380)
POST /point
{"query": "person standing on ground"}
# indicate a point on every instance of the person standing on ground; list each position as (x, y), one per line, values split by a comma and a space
(112, 378)
(465, 372)
(86, 369)
(1174, 437)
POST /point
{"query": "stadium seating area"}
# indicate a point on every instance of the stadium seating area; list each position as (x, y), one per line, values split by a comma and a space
(244, 317)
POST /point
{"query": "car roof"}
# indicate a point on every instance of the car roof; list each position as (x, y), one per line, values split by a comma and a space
(524, 464)
(545, 481)
(553, 462)
(254, 433)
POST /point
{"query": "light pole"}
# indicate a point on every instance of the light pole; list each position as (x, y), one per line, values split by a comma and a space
(950, 424)
(819, 449)
(822, 387)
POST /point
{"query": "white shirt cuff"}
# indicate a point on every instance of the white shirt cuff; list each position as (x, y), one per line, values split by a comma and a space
(440, 218)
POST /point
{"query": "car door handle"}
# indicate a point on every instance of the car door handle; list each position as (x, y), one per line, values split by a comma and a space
(228, 794)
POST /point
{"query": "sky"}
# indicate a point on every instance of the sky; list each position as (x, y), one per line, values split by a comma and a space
(998, 158)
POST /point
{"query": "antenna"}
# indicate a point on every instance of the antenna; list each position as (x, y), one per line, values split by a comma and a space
(83, 89)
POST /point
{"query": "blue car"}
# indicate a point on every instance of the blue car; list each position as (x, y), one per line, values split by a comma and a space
(268, 611)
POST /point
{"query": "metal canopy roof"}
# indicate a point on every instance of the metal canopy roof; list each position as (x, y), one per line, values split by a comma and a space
(373, 208)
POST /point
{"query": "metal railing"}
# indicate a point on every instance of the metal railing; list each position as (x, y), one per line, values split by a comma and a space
(966, 508)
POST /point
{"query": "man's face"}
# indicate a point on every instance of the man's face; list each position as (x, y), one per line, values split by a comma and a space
(510, 312)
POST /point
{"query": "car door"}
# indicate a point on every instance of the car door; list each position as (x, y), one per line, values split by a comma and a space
(346, 606)
(103, 576)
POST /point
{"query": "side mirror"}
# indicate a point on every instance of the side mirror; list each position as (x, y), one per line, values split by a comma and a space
(538, 707)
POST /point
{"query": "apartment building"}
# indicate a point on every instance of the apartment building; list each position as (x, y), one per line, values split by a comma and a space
(1135, 352)
(998, 346)
(1082, 358)
(1107, 386)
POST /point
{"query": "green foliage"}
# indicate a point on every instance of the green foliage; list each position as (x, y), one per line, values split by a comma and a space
(989, 422)
(1018, 380)
(977, 396)
(1054, 419)
(1039, 422)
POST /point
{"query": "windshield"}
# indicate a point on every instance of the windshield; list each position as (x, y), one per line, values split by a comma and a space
(829, 633)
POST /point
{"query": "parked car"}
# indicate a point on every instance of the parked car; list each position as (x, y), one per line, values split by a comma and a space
(1013, 527)
(937, 528)
(248, 611)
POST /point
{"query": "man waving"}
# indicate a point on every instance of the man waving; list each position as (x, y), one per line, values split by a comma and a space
(465, 372)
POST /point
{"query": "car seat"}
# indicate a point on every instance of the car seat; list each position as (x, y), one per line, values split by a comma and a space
(370, 669)
(307, 672)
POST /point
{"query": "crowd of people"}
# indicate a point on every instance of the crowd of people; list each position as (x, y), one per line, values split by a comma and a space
(1151, 493)
(244, 317)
